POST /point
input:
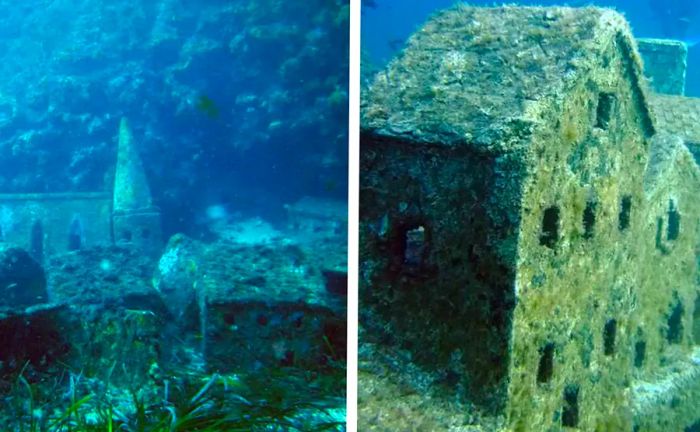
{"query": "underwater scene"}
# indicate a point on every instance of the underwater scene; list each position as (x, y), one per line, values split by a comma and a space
(529, 226)
(173, 215)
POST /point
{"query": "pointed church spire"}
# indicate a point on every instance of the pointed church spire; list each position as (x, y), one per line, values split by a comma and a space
(135, 220)
(131, 191)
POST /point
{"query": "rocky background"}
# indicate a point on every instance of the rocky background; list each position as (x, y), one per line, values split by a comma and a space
(241, 103)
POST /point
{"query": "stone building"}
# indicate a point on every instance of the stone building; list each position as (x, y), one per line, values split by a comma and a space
(524, 232)
(48, 223)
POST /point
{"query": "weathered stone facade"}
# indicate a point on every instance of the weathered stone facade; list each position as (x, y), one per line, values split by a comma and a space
(524, 232)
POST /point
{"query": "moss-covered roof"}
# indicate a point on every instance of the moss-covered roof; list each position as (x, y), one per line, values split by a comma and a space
(479, 76)
(678, 115)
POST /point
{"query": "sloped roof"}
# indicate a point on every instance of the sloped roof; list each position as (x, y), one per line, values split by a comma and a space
(678, 115)
(475, 75)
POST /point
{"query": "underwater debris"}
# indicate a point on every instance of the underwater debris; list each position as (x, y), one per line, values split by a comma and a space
(207, 106)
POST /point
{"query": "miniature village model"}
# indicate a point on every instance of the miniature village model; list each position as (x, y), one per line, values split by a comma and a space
(96, 304)
(529, 221)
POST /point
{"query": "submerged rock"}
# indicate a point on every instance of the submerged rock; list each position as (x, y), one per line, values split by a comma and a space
(175, 275)
(22, 279)
(103, 275)
(32, 337)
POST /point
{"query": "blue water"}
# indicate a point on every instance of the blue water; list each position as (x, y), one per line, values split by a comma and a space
(221, 304)
(273, 78)
(387, 23)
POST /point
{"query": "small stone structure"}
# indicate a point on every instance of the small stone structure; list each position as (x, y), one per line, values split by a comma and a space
(317, 217)
(665, 63)
(664, 321)
(22, 278)
(524, 232)
(135, 220)
(46, 316)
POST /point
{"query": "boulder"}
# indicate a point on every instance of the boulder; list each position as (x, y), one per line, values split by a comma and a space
(22, 279)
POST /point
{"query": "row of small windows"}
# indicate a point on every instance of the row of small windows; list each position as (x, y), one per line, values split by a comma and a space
(549, 235)
(76, 238)
(673, 335)
(36, 237)
(413, 242)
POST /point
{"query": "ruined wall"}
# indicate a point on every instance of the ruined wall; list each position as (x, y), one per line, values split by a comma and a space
(45, 224)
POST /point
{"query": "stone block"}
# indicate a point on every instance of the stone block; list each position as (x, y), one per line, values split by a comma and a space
(22, 280)
(665, 63)
(268, 306)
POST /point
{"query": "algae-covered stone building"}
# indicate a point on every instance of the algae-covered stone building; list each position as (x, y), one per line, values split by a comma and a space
(524, 231)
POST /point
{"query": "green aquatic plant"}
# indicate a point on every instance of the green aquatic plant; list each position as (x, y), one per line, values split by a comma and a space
(71, 419)
(32, 418)
(284, 399)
